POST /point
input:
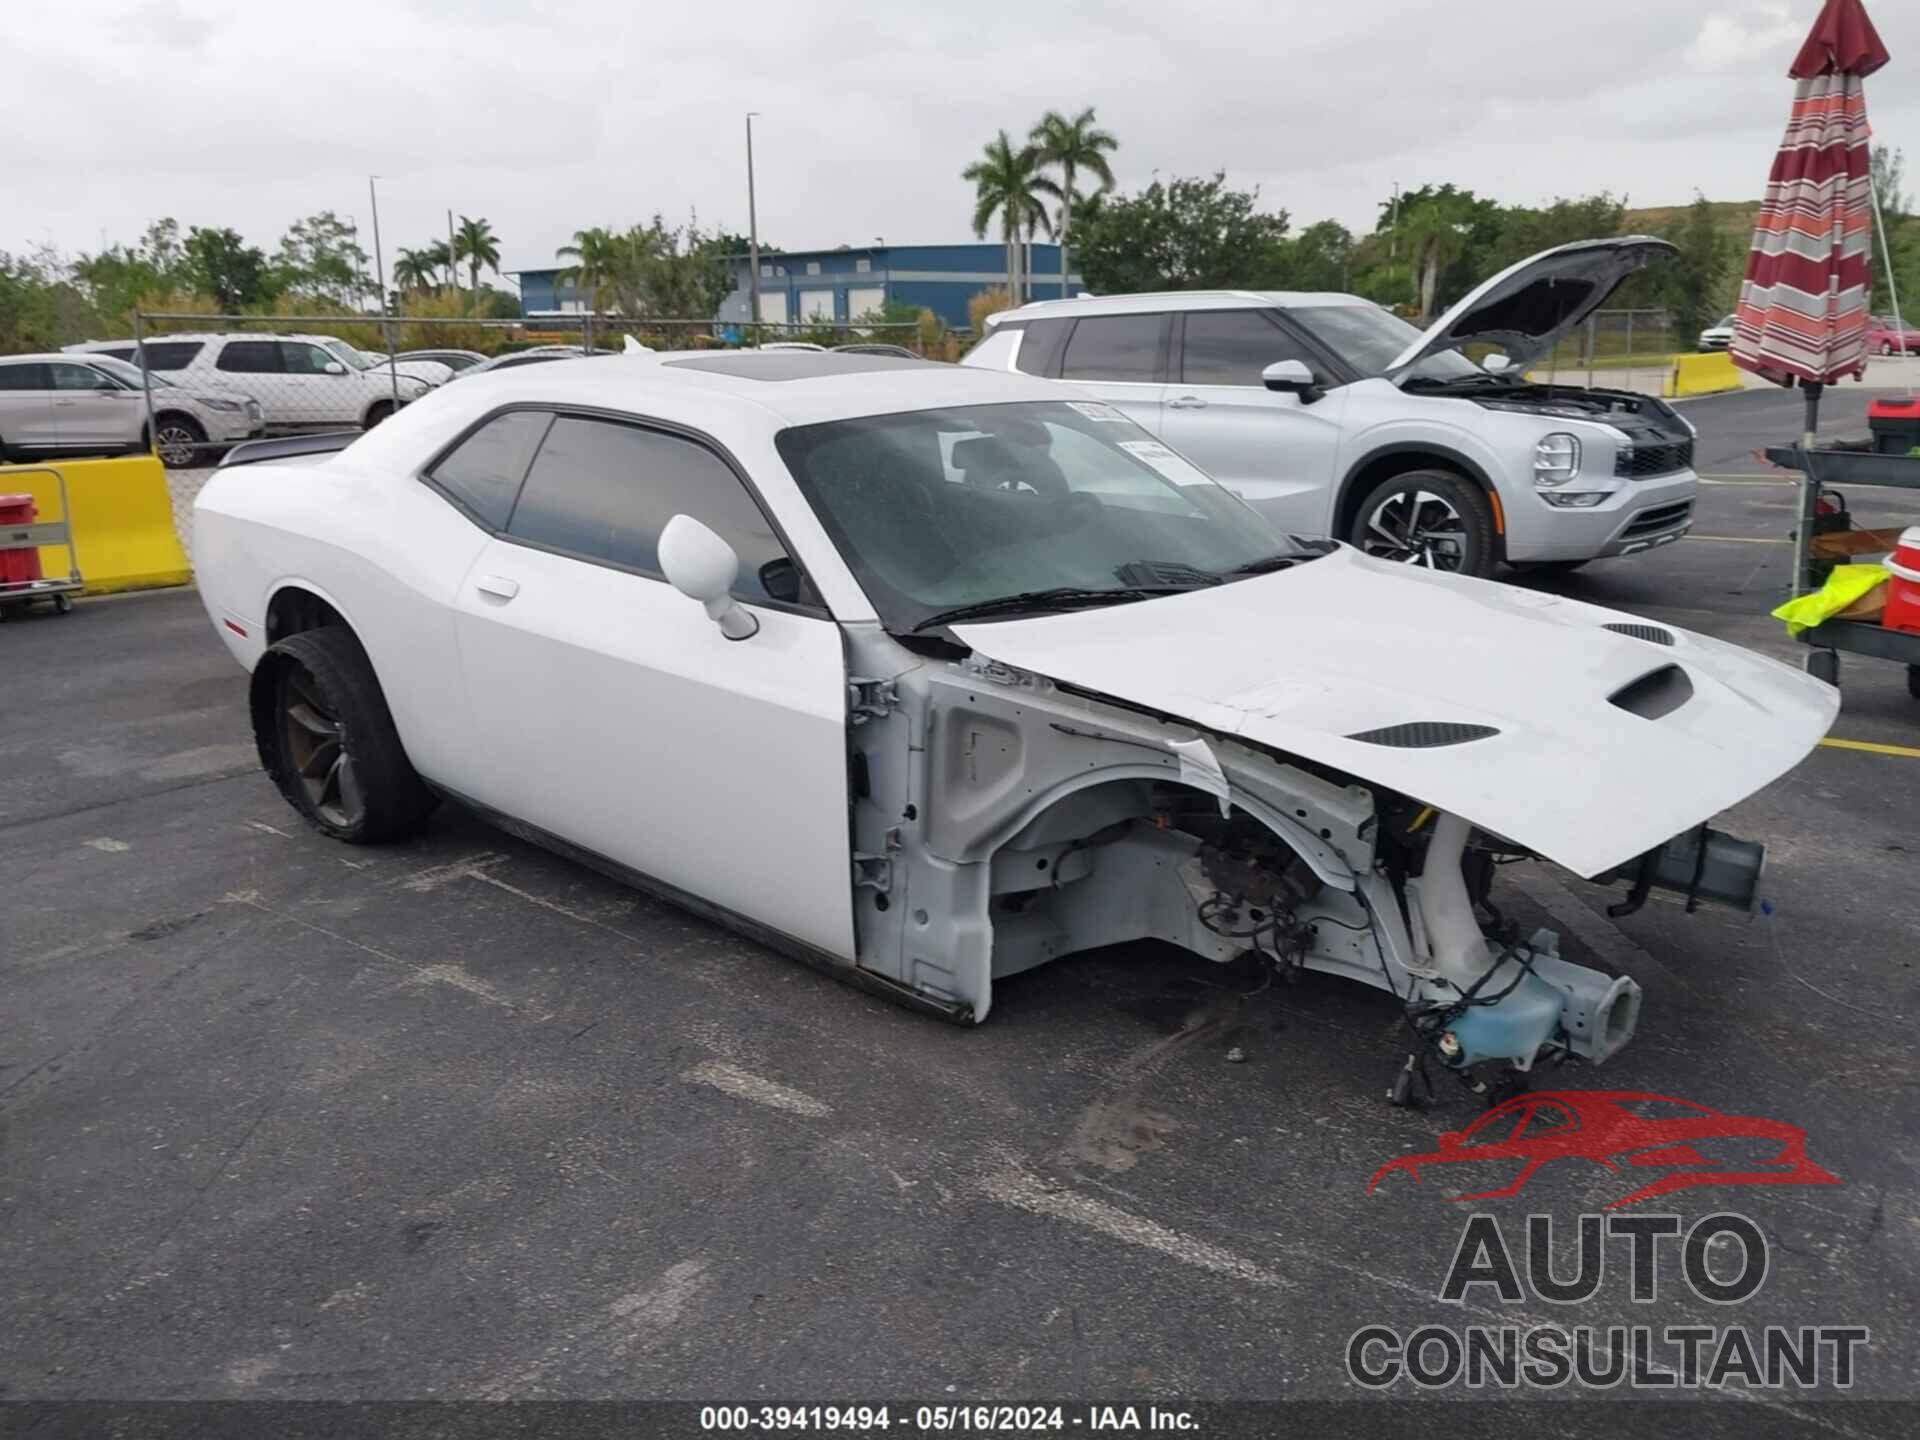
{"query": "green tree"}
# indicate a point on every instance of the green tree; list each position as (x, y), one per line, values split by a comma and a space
(117, 279)
(1696, 285)
(1007, 183)
(1320, 257)
(476, 246)
(419, 269)
(1185, 234)
(604, 269)
(320, 259)
(1073, 146)
(223, 267)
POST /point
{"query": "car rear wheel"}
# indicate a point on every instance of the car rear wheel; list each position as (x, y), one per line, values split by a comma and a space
(179, 441)
(327, 740)
(1433, 518)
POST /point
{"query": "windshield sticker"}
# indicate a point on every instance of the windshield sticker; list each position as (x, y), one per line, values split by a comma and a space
(1169, 465)
(1093, 410)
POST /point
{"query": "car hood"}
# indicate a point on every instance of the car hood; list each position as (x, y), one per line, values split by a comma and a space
(1526, 308)
(1574, 759)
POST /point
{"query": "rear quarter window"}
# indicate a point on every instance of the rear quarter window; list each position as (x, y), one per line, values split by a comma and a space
(483, 472)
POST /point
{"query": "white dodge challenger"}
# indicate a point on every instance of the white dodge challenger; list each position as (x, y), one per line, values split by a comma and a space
(930, 675)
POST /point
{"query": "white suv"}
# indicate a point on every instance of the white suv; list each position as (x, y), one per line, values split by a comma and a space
(300, 382)
(1334, 417)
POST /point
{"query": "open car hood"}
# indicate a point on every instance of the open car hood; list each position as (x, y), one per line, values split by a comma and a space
(1526, 308)
(1519, 711)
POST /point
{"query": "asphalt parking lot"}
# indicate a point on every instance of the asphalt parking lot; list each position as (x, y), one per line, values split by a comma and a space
(459, 1119)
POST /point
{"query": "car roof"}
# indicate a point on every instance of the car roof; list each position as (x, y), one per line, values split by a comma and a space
(71, 357)
(1163, 300)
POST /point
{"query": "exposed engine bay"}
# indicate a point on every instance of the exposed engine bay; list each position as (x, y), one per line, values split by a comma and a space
(1001, 820)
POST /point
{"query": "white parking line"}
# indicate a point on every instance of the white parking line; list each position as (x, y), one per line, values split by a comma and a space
(745, 1085)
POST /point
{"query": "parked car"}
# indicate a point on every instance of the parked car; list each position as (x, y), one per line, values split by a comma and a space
(871, 347)
(536, 355)
(454, 360)
(1890, 335)
(92, 404)
(1332, 416)
(300, 384)
(1719, 335)
(933, 674)
(429, 372)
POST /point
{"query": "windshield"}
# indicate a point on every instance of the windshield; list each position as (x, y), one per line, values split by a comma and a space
(347, 355)
(939, 509)
(1370, 339)
(127, 375)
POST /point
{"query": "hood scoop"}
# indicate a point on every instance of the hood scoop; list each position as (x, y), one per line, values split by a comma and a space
(1425, 734)
(1656, 694)
(1652, 634)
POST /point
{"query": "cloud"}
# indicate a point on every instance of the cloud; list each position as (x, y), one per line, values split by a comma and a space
(1729, 41)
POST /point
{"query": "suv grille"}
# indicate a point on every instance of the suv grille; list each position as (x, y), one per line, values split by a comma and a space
(1643, 461)
(1660, 517)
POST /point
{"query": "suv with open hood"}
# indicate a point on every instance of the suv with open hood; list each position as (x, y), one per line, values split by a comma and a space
(1333, 416)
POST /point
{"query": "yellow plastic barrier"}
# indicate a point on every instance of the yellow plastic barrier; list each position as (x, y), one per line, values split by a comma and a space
(1705, 374)
(122, 521)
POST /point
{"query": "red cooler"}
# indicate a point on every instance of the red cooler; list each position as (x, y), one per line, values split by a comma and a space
(1903, 590)
(1895, 425)
(19, 557)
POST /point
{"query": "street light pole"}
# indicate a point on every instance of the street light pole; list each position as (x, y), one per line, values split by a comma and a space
(380, 275)
(753, 237)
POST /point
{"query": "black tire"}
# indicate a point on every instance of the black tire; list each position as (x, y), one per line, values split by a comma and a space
(184, 437)
(327, 740)
(1824, 665)
(376, 412)
(1451, 528)
(1913, 681)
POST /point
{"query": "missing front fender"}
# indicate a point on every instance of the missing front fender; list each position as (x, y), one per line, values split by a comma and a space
(1697, 864)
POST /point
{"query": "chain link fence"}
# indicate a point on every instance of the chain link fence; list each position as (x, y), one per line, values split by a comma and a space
(1614, 347)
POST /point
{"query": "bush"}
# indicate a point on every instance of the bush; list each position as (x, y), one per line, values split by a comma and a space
(987, 302)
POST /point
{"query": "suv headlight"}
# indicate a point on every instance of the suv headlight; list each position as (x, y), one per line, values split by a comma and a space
(214, 402)
(1556, 458)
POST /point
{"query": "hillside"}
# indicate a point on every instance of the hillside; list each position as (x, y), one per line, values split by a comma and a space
(1736, 217)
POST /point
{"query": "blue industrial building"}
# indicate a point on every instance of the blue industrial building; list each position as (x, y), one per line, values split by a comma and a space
(844, 284)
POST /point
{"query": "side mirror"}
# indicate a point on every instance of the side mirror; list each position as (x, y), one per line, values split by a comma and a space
(1292, 377)
(334, 367)
(703, 567)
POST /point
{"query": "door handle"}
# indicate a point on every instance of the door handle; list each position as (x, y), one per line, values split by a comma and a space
(498, 586)
(1187, 402)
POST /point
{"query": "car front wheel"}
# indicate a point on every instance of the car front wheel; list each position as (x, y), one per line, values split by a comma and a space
(1428, 517)
(179, 441)
(327, 739)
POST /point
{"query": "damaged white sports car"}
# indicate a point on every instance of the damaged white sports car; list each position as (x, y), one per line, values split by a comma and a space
(931, 675)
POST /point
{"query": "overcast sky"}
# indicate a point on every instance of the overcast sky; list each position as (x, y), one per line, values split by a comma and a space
(548, 118)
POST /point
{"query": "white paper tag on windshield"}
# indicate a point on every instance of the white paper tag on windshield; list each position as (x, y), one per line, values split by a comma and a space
(1168, 464)
(1093, 410)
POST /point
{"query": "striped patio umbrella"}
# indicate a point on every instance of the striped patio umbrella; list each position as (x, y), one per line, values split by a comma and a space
(1803, 305)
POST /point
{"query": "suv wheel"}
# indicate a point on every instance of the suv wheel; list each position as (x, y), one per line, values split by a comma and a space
(327, 740)
(377, 412)
(179, 441)
(1427, 517)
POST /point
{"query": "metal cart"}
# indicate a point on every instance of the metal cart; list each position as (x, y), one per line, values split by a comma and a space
(1823, 467)
(20, 594)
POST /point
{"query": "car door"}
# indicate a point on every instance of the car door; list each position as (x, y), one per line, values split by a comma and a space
(257, 363)
(26, 406)
(1275, 451)
(93, 411)
(617, 716)
(322, 396)
(1121, 359)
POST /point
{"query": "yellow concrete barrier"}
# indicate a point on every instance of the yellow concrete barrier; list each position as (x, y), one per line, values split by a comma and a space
(1704, 374)
(122, 521)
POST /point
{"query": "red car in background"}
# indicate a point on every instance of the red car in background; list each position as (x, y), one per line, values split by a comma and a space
(1886, 335)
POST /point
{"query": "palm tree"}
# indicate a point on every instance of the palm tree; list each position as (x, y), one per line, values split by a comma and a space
(1008, 183)
(602, 268)
(1436, 235)
(418, 269)
(476, 244)
(1074, 145)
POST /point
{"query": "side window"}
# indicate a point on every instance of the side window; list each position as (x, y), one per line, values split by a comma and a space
(170, 354)
(1040, 351)
(300, 358)
(24, 377)
(1232, 347)
(1114, 347)
(605, 491)
(78, 377)
(485, 470)
(250, 357)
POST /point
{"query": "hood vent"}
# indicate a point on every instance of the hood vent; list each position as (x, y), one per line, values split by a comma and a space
(1656, 694)
(1424, 735)
(1651, 633)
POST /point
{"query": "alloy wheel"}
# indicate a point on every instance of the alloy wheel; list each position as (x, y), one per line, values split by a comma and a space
(316, 743)
(176, 445)
(1417, 527)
